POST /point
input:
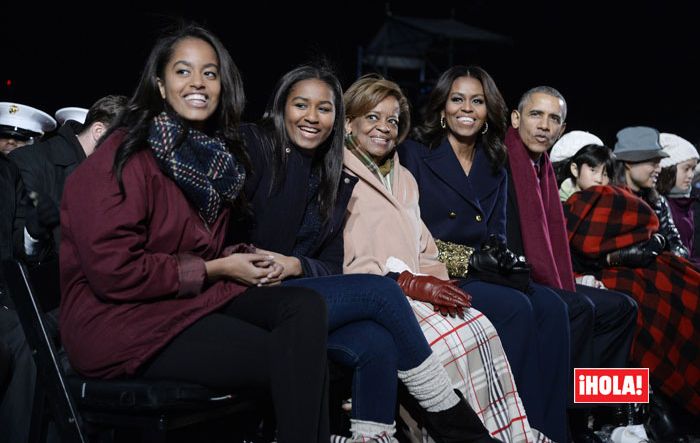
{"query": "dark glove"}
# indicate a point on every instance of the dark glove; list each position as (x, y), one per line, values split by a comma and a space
(433, 290)
(639, 255)
(42, 216)
(495, 263)
(494, 256)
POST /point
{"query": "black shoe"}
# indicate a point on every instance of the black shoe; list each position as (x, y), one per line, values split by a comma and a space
(459, 424)
(661, 426)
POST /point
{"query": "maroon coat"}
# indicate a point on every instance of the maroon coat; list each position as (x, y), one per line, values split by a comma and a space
(132, 269)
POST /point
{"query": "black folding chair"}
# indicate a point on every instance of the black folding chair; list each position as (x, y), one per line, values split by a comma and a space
(84, 408)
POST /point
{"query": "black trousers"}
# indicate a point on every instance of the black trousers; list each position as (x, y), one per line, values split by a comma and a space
(602, 326)
(273, 338)
(17, 389)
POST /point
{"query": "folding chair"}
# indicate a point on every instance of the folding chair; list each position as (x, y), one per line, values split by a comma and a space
(83, 408)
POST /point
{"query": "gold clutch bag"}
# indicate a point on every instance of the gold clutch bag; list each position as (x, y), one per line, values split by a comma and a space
(455, 257)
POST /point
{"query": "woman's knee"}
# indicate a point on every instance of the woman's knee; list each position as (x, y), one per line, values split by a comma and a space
(306, 303)
(499, 301)
(548, 302)
(384, 292)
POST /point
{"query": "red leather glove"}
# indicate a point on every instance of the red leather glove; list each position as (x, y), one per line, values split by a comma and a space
(447, 311)
(433, 290)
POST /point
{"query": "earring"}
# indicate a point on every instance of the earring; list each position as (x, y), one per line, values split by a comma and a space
(486, 128)
(443, 123)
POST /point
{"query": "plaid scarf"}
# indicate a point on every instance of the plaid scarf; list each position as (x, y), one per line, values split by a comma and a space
(383, 172)
(206, 172)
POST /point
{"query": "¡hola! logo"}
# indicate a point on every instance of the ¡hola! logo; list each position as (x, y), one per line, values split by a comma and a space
(611, 385)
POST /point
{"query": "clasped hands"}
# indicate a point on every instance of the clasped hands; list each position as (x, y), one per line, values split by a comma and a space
(250, 266)
(254, 266)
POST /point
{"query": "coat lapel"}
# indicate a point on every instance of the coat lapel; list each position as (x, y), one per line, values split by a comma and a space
(355, 166)
(445, 165)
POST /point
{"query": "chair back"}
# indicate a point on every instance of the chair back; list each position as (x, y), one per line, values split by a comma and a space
(32, 305)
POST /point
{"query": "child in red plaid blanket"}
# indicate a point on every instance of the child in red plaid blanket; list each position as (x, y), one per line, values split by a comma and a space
(614, 236)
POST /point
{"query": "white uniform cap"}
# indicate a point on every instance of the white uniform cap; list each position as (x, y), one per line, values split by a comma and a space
(77, 114)
(22, 118)
(677, 148)
(570, 143)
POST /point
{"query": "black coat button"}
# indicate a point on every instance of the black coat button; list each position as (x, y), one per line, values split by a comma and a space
(452, 214)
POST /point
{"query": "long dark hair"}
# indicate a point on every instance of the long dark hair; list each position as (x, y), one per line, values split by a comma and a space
(276, 141)
(591, 155)
(147, 102)
(431, 133)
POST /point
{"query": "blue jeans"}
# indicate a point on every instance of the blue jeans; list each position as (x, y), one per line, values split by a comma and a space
(368, 348)
(373, 329)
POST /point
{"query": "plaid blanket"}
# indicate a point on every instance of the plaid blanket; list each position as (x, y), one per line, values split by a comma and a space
(604, 218)
(473, 356)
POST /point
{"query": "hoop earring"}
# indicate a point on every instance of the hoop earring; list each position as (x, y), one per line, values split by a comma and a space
(443, 123)
(486, 128)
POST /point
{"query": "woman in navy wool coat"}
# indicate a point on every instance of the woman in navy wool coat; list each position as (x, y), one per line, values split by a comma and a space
(457, 157)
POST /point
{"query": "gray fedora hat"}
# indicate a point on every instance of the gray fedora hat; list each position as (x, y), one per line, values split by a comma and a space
(638, 144)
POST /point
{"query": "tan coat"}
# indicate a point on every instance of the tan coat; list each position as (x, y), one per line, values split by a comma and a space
(381, 224)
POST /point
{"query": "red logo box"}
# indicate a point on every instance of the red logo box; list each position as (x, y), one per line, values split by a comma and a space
(611, 385)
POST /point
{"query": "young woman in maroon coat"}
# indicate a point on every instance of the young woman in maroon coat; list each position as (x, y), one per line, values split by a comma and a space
(148, 288)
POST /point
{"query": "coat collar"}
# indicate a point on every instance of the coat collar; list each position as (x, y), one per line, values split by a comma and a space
(357, 168)
(71, 152)
(444, 163)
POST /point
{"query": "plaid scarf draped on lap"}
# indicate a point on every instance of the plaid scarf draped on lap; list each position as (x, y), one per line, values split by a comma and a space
(206, 172)
(667, 341)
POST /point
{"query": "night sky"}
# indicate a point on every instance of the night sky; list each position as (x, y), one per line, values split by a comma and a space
(616, 66)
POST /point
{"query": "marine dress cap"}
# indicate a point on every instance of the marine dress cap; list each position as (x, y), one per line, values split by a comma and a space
(76, 114)
(23, 120)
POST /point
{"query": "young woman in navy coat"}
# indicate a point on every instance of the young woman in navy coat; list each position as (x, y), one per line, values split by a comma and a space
(457, 157)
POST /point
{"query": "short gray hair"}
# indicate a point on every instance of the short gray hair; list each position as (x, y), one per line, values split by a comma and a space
(543, 90)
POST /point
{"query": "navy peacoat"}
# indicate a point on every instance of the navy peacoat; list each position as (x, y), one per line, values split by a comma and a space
(456, 207)
(277, 216)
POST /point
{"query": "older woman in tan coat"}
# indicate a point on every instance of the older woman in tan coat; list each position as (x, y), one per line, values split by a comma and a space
(384, 235)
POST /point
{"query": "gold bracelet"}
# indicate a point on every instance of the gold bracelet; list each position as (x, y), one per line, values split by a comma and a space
(455, 257)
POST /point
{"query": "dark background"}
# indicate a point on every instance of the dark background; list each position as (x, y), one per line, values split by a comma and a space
(617, 65)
